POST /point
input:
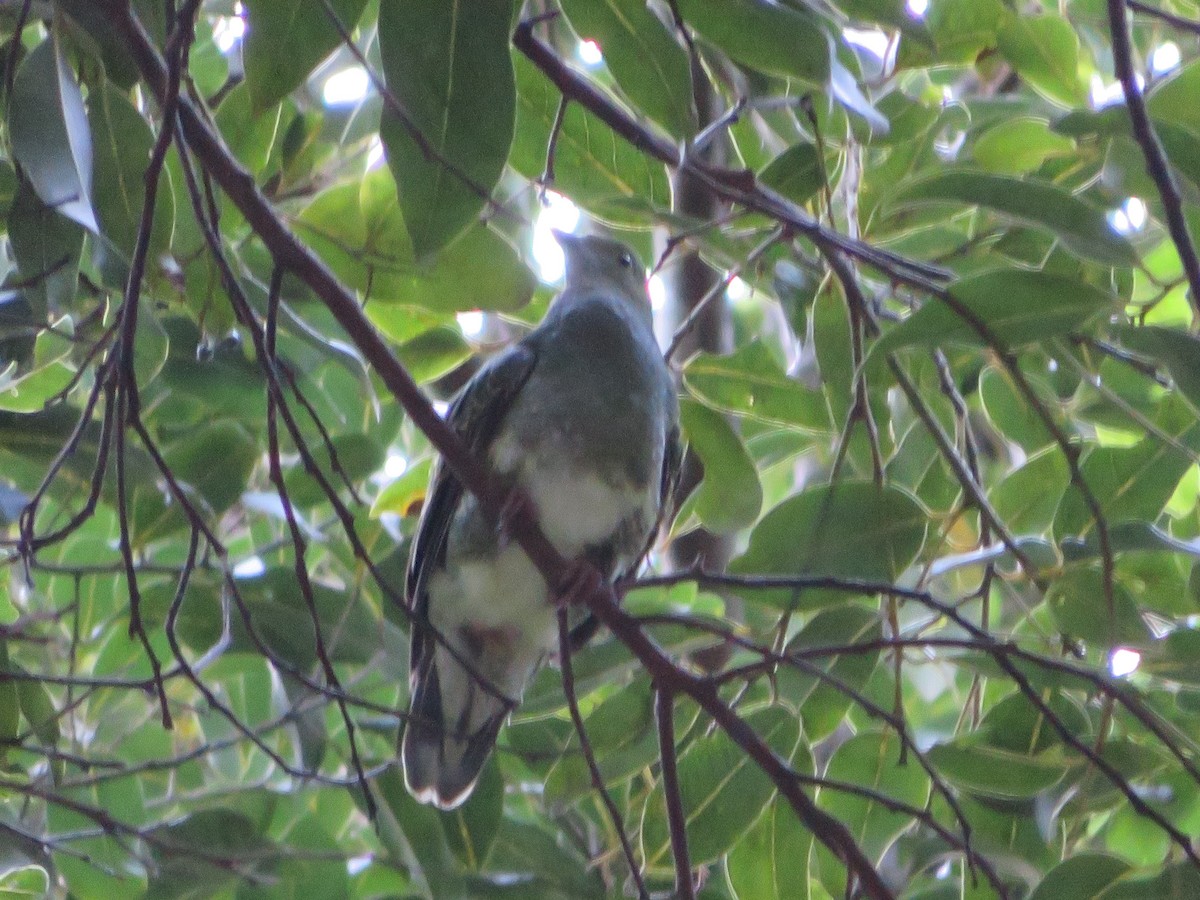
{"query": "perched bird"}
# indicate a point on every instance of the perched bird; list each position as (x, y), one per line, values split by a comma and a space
(580, 418)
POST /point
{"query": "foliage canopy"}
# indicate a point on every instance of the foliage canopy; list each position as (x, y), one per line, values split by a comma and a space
(954, 445)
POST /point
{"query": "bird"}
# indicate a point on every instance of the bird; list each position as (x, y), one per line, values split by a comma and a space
(579, 419)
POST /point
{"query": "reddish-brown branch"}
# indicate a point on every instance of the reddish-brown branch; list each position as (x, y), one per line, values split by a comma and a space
(299, 544)
(1157, 165)
(664, 711)
(1170, 18)
(732, 185)
(589, 756)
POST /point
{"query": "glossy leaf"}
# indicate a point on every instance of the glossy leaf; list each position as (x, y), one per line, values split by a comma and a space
(1045, 52)
(991, 772)
(870, 759)
(47, 247)
(449, 66)
(771, 859)
(1016, 307)
(1081, 227)
(751, 383)
(821, 531)
(285, 41)
(594, 167)
(649, 65)
(50, 135)
(797, 172)
(1019, 146)
(730, 496)
(123, 143)
(773, 38)
(723, 792)
(359, 230)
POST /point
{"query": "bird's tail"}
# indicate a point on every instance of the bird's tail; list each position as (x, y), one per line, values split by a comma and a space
(451, 729)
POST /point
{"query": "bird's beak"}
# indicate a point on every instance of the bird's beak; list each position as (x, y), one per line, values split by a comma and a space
(565, 238)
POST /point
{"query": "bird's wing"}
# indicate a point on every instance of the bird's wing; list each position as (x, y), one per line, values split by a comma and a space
(672, 469)
(475, 415)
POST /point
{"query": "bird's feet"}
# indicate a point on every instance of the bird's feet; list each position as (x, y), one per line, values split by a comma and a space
(518, 507)
(580, 581)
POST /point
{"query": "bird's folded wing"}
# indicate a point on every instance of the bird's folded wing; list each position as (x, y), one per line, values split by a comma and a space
(475, 415)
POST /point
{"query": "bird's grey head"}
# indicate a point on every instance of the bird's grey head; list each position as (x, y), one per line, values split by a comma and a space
(599, 263)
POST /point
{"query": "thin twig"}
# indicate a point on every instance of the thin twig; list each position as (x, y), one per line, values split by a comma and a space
(1191, 25)
(664, 710)
(585, 746)
(1157, 165)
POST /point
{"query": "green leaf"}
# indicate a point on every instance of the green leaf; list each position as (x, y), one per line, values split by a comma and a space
(1009, 411)
(184, 850)
(892, 13)
(25, 881)
(358, 455)
(38, 708)
(823, 530)
(870, 760)
(771, 860)
(1177, 881)
(359, 231)
(775, 39)
(648, 64)
(796, 173)
(723, 792)
(1028, 497)
(1132, 483)
(593, 166)
(47, 248)
(749, 382)
(730, 496)
(1017, 306)
(471, 829)
(448, 63)
(352, 630)
(151, 347)
(961, 30)
(403, 496)
(1173, 98)
(1081, 227)
(843, 85)
(250, 134)
(1176, 657)
(993, 772)
(822, 705)
(285, 39)
(191, 459)
(433, 354)
(623, 737)
(1078, 603)
(1019, 146)
(50, 136)
(1045, 52)
(10, 701)
(31, 392)
(1177, 350)
(123, 142)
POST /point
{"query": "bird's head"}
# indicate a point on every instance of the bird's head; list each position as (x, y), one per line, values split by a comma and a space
(599, 263)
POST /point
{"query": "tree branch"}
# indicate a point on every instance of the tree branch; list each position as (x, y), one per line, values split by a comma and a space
(1157, 165)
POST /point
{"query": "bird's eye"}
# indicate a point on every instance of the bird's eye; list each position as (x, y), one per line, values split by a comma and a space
(626, 259)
